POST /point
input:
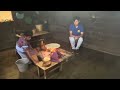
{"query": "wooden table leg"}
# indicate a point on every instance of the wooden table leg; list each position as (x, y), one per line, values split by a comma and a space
(38, 71)
(44, 74)
(60, 67)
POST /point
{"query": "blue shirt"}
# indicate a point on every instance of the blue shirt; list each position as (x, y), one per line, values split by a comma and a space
(76, 31)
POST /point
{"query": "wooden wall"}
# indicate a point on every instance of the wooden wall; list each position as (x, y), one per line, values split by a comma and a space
(9, 29)
(101, 33)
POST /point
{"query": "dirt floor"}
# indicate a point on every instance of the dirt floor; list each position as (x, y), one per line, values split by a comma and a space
(89, 64)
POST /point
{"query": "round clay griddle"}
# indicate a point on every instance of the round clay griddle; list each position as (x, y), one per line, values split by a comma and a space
(52, 45)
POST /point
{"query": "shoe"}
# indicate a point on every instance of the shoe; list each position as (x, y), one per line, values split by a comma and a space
(77, 51)
(73, 51)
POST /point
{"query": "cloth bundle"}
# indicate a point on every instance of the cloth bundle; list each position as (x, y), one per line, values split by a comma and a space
(56, 56)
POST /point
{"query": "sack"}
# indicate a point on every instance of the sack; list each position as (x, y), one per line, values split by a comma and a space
(55, 56)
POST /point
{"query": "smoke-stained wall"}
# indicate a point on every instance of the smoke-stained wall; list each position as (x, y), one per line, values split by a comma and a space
(101, 28)
(9, 29)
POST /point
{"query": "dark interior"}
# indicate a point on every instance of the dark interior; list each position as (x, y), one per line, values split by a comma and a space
(99, 54)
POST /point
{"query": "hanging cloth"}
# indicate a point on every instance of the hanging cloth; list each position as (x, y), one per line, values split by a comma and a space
(19, 16)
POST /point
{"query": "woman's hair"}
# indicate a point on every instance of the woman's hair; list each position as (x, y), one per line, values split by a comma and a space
(28, 33)
(76, 18)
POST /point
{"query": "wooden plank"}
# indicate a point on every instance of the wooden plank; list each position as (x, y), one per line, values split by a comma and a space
(40, 33)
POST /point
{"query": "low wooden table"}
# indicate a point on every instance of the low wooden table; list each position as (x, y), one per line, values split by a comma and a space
(56, 65)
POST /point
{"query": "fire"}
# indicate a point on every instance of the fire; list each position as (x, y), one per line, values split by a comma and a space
(52, 49)
(50, 52)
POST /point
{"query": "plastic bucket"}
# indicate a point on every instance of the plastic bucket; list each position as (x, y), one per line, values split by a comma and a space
(22, 64)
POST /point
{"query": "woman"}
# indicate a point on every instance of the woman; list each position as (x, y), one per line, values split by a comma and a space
(22, 44)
